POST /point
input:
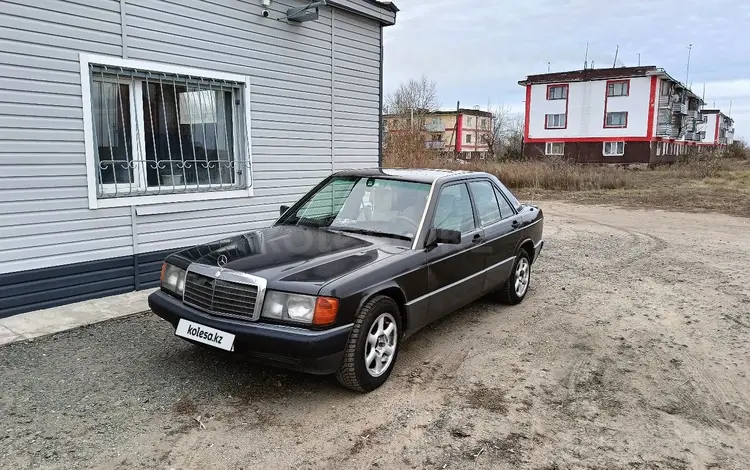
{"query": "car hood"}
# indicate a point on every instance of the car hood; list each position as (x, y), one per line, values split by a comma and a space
(293, 258)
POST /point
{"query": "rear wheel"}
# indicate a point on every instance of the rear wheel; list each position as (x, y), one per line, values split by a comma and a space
(373, 346)
(517, 285)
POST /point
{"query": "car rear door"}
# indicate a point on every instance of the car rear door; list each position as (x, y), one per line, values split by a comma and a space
(503, 229)
(455, 272)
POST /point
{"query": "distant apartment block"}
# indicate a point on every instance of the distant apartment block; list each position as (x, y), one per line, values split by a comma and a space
(717, 128)
(463, 133)
(617, 115)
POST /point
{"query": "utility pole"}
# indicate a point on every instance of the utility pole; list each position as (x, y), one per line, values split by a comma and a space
(548, 66)
(455, 128)
(639, 59)
(617, 51)
(586, 57)
(687, 74)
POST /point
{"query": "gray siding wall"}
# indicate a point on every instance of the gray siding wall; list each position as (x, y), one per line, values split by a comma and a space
(314, 108)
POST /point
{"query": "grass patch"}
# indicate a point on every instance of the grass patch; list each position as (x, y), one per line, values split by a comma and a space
(699, 182)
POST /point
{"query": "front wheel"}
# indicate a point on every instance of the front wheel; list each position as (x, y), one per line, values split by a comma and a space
(373, 346)
(517, 285)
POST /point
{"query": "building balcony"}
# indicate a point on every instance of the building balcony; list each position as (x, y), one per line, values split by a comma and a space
(679, 108)
(667, 130)
(434, 127)
(694, 114)
(665, 101)
(434, 145)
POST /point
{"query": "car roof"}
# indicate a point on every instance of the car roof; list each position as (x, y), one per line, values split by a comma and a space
(420, 175)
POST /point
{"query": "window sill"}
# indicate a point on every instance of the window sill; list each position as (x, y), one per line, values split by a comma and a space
(102, 203)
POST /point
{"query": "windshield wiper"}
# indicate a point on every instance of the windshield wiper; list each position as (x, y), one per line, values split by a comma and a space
(374, 233)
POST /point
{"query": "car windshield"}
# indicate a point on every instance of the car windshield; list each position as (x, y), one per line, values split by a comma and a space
(367, 205)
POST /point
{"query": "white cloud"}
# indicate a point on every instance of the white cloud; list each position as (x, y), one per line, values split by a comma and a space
(477, 51)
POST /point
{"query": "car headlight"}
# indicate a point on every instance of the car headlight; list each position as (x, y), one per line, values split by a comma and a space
(298, 308)
(173, 278)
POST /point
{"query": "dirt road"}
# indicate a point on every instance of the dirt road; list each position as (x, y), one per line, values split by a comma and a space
(630, 352)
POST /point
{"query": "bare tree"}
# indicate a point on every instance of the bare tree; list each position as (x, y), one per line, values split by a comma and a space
(495, 139)
(514, 138)
(505, 139)
(417, 96)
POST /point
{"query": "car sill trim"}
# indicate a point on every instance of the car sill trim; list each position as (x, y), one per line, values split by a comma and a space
(454, 284)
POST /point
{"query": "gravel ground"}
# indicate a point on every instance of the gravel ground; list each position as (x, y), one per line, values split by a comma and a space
(630, 352)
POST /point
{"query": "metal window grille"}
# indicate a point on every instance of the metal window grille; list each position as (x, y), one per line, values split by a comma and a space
(157, 133)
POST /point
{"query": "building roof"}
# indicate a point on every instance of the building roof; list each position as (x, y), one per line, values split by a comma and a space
(614, 73)
(588, 74)
(388, 4)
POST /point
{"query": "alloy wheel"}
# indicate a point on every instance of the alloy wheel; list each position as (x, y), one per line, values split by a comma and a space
(522, 277)
(381, 344)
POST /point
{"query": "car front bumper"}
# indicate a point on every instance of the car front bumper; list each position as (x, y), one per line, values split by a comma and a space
(315, 352)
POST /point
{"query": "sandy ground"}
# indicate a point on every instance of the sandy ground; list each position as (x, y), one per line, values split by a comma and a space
(630, 352)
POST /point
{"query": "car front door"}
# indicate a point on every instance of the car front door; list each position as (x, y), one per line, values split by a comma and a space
(455, 271)
(502, 229)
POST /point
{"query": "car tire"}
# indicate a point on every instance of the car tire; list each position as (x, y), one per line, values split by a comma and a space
(377, 315)
(517, 286)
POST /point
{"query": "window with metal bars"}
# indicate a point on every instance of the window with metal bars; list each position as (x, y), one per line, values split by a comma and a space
(160, 133)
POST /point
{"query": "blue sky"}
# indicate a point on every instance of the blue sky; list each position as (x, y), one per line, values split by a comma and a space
(477, 50)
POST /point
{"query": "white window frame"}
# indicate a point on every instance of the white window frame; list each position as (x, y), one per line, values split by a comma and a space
(563, 121)
(469, 121)
(616, 153)
(137, 112)
(548, 146)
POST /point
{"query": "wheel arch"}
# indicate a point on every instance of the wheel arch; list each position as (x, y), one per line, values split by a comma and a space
(527, 244)
(393, 291)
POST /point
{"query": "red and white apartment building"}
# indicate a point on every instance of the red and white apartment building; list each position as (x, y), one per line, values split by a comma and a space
(717, 128)
(617, 115)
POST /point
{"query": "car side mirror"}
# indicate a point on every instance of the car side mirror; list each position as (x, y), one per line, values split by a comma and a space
(283, 209)
(437, 236)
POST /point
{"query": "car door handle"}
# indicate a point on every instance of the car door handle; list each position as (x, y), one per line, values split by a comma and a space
(477, 238)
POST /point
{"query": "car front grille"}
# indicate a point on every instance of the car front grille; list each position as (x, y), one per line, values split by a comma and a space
(221, 297)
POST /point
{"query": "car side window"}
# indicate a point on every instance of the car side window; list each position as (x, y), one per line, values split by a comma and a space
(454, 210)
(486, 203)
(505, 209)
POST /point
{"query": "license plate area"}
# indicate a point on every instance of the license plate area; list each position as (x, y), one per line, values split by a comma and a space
(205, 334)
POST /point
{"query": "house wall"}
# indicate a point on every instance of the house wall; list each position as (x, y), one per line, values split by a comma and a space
(585, 107)
(314, 107)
